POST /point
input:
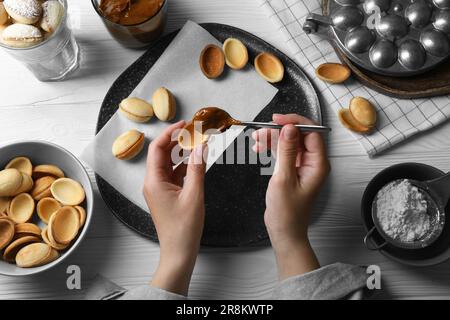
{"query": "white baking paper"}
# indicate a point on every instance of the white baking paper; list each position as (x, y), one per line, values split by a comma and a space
(242, 93)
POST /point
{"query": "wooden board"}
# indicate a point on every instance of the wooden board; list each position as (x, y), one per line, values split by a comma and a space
(433, 83)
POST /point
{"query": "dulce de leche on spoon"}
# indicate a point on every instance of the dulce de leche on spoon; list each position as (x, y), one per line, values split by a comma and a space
(213, 120)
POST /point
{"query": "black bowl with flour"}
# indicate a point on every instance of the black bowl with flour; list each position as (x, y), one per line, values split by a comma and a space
(438, 251)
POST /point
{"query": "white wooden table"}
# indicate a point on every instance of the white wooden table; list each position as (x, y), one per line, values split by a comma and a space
(66, 113)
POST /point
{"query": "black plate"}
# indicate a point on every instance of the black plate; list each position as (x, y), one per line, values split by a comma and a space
(235, 194)
(437, 252)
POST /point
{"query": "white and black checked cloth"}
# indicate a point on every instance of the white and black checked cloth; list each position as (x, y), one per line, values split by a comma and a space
(399, 119)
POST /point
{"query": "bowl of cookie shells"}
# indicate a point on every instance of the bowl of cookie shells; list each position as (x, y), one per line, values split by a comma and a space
(46, 202)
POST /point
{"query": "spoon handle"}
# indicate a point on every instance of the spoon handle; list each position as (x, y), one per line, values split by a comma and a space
(303, 127)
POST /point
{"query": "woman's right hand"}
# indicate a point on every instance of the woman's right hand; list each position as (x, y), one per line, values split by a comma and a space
(300, 171)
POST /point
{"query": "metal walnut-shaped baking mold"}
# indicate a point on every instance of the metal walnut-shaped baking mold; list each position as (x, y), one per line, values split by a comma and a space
(389, 37)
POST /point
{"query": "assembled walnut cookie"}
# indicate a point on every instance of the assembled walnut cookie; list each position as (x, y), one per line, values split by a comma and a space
(130, 143)
(360, 116)
(58, 201)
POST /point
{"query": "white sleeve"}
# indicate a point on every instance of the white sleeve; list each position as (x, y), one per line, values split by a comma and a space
(335, 281)
(104, 289)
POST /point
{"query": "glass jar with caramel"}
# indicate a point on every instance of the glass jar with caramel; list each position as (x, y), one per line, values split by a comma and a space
(133, 23)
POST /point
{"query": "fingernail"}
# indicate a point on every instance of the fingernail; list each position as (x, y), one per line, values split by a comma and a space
(290, 132)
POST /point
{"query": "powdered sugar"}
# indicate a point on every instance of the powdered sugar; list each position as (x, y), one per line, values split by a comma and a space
(401, 209)
(24, 8)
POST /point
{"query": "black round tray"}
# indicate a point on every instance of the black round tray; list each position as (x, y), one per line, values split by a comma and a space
(235, 194)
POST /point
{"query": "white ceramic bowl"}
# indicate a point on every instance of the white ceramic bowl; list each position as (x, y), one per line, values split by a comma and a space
(41, 152)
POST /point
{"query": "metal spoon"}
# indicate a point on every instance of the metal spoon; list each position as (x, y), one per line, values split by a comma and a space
(216, 118)
(303, 127)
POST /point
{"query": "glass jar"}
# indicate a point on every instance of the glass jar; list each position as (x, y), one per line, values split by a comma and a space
(54, 58)
(137, 35)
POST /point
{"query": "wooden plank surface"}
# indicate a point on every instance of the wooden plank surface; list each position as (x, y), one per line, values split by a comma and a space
(66, 113)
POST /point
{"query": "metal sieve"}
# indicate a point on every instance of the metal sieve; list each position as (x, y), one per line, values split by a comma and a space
(389, 37)
(437, 194)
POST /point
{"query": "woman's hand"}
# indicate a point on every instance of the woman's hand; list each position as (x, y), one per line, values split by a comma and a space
(301, 169)
(177, 209)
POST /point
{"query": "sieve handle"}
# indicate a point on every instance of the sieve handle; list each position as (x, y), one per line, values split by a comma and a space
(440, 188)
(369, 246)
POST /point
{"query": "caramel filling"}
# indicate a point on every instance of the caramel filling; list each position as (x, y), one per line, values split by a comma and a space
(130, 12)
(206, 121)
(214, 118)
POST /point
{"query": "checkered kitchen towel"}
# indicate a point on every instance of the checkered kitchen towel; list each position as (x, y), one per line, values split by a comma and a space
(399, 119)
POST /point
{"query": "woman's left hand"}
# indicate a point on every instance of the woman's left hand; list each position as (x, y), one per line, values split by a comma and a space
(175, 198)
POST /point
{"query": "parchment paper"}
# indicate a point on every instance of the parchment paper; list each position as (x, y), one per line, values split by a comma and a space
(242, 93)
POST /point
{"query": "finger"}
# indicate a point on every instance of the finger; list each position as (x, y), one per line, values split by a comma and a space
(195, 172)
(166, 137)
(172, 144)
(293, 118)
(266, 138)
(159, 163)
(261, 140)
(259, 134)
(315, 150)
(314, 143)
(264, 134)
(288, 148)
(177, 153)
(179, 173)
(259, 147)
